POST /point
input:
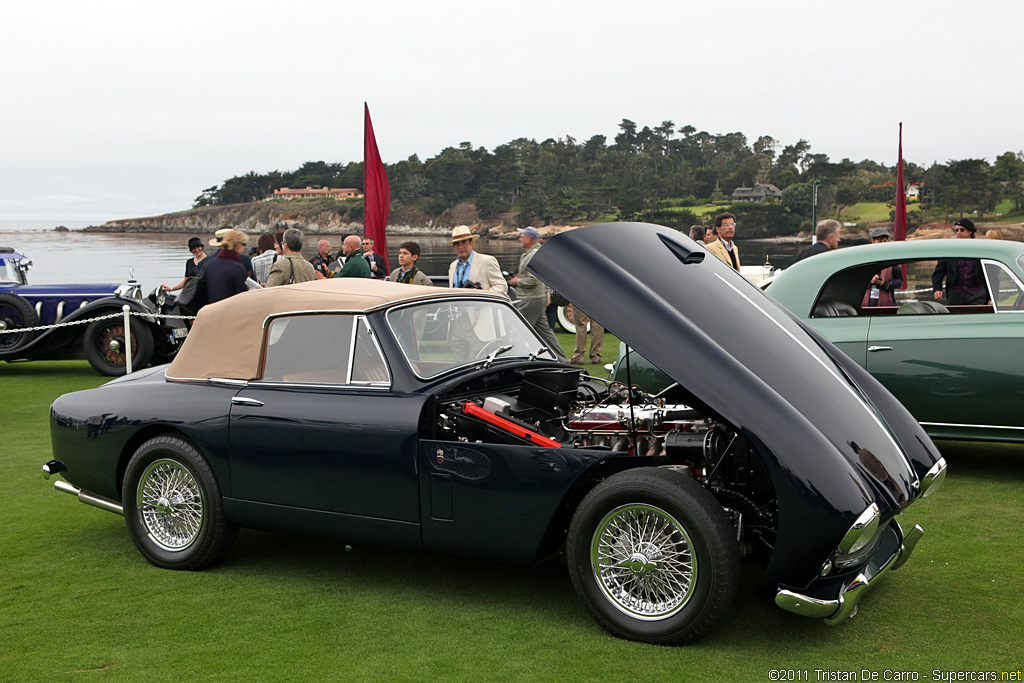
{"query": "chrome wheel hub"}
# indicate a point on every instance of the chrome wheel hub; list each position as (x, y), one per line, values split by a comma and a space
(643, 561)
(170, 503)
(114, 346)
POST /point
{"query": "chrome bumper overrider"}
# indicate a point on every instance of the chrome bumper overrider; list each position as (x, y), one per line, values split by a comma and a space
(845, 606)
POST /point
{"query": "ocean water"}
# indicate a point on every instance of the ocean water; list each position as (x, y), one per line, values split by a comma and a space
(65, 257)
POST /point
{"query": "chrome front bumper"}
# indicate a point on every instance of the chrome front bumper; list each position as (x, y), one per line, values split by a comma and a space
(850, 594)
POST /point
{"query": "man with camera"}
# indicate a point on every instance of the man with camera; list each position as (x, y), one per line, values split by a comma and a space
(533, 295)
(472, 269)
(473, 327)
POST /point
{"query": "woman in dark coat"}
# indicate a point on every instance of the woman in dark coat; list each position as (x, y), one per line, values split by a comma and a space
(225, 275)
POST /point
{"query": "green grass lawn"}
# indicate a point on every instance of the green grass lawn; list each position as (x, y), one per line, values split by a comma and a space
(78, 603)
(866, 212)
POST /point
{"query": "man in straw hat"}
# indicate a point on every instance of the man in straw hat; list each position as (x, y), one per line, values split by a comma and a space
(472, 269)
(474, 326)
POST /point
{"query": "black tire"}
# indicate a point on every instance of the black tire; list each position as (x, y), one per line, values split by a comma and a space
(104, 345)
(15, 313)
(653, 556)
(173, 506)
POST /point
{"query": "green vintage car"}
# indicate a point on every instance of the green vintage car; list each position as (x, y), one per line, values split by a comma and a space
(959, 369)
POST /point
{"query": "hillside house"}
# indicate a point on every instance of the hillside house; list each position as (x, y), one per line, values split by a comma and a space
(760, 193)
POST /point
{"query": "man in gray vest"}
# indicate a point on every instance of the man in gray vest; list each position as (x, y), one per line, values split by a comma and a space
(533, 295)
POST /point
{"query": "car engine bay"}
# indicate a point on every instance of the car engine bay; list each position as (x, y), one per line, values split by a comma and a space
(559, 407)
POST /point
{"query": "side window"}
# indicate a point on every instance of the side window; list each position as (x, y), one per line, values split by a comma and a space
(309, 349)
(368, 366)
(919, 282)
(1007, 292)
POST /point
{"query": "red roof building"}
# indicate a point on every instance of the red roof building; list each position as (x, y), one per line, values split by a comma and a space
(310, 193)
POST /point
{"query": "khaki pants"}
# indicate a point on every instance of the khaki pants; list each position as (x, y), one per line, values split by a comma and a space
(596, 337)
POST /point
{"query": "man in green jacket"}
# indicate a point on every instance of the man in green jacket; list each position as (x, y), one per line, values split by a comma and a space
(533, 295)
(355, 265)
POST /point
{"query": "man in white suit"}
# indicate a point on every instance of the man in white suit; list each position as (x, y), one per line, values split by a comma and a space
(471, 268)
(475, 327)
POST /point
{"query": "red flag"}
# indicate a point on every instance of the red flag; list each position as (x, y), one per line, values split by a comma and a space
(900, 229)
(376, 193)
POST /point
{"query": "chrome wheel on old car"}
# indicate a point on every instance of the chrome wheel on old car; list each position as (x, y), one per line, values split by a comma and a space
(642, 558)
(173, 505)
(170, 501)
(653, 556)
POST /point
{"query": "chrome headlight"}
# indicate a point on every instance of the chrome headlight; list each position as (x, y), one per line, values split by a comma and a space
(130, 290)
(861, 531)
(931, 481)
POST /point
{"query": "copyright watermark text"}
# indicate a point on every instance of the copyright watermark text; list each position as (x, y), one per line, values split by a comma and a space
(890, 675)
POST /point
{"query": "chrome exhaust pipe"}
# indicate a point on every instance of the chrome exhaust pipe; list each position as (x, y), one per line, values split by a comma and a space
(88, 498)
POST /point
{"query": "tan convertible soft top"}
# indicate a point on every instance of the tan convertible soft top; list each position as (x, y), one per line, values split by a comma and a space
(227, 338)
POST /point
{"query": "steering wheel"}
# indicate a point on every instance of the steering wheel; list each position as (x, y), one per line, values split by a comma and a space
(490, 347)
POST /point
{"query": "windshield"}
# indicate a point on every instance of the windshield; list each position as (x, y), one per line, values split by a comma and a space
(9, 271)
(437, 336)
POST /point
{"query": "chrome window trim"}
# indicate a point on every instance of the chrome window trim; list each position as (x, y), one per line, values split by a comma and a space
(970, 426)
(988, 283)
(309, 385)
(380, 353)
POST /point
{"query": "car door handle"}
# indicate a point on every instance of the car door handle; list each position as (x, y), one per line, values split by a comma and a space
(242, 401)
(872, 349)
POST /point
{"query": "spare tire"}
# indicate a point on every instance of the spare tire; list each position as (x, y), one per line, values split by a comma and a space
(15, 313)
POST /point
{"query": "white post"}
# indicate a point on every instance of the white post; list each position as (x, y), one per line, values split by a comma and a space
(127, 339)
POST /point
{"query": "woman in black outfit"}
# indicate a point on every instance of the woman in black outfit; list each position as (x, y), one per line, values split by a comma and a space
(195, 245)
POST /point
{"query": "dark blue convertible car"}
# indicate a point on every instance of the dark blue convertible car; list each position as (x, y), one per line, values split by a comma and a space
(87, 329)
(435, 420)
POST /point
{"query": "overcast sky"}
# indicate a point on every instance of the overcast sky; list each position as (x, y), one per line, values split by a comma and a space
(118, 108)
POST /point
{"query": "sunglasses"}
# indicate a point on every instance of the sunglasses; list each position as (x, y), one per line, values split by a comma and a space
(960, 230)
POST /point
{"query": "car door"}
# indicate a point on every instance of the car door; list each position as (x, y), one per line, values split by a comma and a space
(956, 368)
(322, 429)
(849, 333)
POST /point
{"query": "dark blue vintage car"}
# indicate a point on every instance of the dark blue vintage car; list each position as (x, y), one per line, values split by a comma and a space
(434, 420)
(79, 307)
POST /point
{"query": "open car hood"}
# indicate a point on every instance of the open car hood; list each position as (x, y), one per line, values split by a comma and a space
(737, 354)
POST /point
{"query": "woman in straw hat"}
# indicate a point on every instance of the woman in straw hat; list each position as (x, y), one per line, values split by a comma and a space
(225, 275)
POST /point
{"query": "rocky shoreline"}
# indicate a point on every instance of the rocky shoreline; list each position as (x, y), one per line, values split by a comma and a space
(259, 217)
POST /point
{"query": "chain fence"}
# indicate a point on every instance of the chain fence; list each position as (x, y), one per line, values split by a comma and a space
(125, 314)
(83, 321)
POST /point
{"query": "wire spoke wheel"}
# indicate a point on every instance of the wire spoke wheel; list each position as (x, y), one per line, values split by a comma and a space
(653, 556)
(171, 503)
(643, 561)
(111, 344)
